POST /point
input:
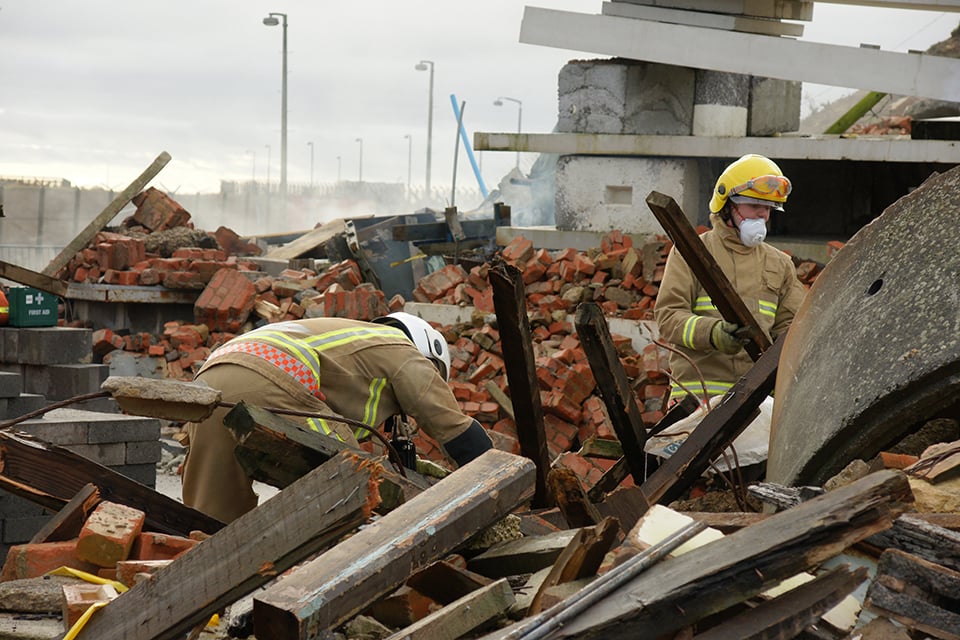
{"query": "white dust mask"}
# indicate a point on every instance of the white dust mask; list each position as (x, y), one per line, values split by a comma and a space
(752, 231)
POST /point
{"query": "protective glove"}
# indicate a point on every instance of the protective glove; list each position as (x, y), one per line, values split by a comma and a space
(722, 338)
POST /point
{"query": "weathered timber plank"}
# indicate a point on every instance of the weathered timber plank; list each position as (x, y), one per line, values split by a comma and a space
(715, 432)
(572, 500)
(308, 241)
(707, 271)
(463, 615)
(445, 582)
(916, 593)
(32, 279)
(104, 217)
(510, 304)
(66, 523)
(441, 232)
(788, 614)
(913, 534)
(613, 385)
(340, 583)
(308, 516)
(51, 476)
(728, 571)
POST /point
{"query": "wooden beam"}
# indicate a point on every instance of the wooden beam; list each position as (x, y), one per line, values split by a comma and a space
(789, 613)
(510, 304)
(613, 385)
(715, 432)
(572, 500)
(32, 279)
(307, 517)
(524, 555)
(918, 594)
(67, 523)
(308, 241)
(342, 582)
(462, 616)
(51, 476)
(707, 271)
(913, 533)
(104, 217)
(728, 571)
(441, 231)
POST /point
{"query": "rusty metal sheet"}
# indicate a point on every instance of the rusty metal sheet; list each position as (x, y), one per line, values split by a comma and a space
(874, 351)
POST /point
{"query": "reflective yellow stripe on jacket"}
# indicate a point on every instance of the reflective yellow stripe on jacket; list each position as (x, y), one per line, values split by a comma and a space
(714, 388)
(297, 347)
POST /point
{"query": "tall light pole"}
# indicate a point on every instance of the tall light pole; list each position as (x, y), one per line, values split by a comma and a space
(338, 168)
(409, 158)
(423, 66)
(272, 21)
(360, 140)
(499, 103)
(310, 144)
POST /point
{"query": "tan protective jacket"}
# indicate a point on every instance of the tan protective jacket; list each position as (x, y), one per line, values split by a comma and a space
(767, 282)
(366, 372)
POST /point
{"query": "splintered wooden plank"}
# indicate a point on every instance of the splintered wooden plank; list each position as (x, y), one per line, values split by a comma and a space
(463, 615)
(67, 523)
(308, 241)
(105, 216)
(790, 613)
(918, 594)
(715, 432)
(728, 571)
(339, 584)
(571, 498)
(914, 534)
(51, 476)
(707, 271)
(32, 279)
(613, 385)
(445, 582)
(525, 555)
(308, 516)
(510, 303)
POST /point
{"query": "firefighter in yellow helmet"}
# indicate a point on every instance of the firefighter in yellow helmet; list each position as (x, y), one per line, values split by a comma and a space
(765, 277)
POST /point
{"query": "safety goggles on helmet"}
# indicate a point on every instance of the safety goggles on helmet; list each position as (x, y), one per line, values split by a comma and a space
(776, 186)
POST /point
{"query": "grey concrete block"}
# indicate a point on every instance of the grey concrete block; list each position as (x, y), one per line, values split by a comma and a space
(124, 429)
(774, 106)
(126, 364)
(11, 384)
(24, 403)
(592, 97)
(59, 432)
(98, 405)
(145, 474)
(20, 530)
(105, 453)
(659, 100)
(143, 452)
(9, 343)
(597, 193)
(55, 345)
(62, 381)
(12, 506)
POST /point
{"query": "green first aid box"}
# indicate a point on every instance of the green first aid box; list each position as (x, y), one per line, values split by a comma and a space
(31, 307)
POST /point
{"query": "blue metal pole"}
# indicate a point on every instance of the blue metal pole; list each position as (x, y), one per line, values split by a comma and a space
(468, 147)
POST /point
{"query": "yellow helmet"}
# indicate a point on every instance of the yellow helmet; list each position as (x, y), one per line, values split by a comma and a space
(752, 178)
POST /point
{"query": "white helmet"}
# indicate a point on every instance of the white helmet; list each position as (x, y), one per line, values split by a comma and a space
(428, 340)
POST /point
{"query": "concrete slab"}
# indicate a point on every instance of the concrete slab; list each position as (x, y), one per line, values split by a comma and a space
(54, 345)
(896, 73)
(62, 381)
(11, 384)
(788, 9)
(701, 19)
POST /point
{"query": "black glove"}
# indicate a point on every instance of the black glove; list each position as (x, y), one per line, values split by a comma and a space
(722, 338)
(469, 444)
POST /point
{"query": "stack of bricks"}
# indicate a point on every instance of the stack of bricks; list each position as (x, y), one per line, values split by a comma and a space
(43, 364)
(110, 544)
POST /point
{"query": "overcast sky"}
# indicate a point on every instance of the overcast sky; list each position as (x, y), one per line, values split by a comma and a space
(93, 91)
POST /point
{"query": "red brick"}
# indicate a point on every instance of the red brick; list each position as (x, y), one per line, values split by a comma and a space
(557, 404)
(518, 252)
(109, 533)
(77, 598)
(34, 560)
(159, 546)
(440, 282)
(156, 210)
(226, 302)
(128, 570)
(654, 361)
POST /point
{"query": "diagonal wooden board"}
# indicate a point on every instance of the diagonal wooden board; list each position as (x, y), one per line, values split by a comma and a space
(308, 241)
(33, 279)
(105, 216)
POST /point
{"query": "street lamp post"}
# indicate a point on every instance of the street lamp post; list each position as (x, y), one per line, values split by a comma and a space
(360, 140)
(268, 167)
(310, 144)
(423, 66)
(409, 158)
(272, 21)
(499, 103)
